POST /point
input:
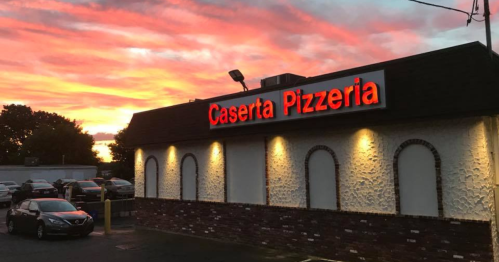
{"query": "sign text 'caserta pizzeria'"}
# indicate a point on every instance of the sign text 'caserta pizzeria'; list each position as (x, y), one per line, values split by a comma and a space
(342, 95)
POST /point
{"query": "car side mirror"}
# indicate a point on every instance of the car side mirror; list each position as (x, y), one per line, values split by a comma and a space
(34, 211)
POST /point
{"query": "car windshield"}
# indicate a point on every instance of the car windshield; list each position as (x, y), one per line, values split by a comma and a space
(88, 184)
(56, 206)
(8, 183)
(3, 187)
(122, 183)
(41, 185)
(39, 181)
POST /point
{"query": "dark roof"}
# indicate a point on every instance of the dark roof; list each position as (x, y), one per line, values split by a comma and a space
(453, 82)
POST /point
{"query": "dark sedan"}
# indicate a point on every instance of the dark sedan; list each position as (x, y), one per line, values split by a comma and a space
(60, 183)
(34, 190)
(49, 217)
(86, 190)
(35, 180)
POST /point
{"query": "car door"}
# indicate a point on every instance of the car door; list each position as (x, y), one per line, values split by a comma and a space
(22, 215)
(21, 194)
(76, 189)
(32, 216)
(109, 186)
(28, 193)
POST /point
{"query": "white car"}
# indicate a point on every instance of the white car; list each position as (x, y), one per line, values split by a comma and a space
(5, 195)
(11, 185)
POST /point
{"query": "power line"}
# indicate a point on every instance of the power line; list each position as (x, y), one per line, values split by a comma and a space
(441, 6)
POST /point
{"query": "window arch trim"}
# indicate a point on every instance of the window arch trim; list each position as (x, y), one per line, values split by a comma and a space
(157, 175)
(182, 175)
(438, 164)
(336, 171)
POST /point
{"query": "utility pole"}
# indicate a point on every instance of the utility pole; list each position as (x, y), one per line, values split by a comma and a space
(486, 15)
(487, 26)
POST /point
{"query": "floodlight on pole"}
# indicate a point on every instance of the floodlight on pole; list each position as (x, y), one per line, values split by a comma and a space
(237, 76)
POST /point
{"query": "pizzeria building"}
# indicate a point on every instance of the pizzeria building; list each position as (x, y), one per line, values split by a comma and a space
(394, 161)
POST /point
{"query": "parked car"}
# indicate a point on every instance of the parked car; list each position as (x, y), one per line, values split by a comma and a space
(49, 216)
(86, 190)
(60, 183)
(5, 195)
(98, 180)
(34, 190)
(119, 189)
(11, 185)
(35, 180)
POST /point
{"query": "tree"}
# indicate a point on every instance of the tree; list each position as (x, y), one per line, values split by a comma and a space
(18, 124)
(122, 155)
(51, 143)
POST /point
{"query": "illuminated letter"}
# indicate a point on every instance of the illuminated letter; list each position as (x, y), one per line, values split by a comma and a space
(306, 107)
(268, 109)
(258, 108)
(335, 95)
(357, 91)
(298, 101)
(373, 92)
(233, 114)
(320, 104)
(223, 116)
(348, 90)
(289, 98)
(211, 114)
(243, 113)
(251, 108)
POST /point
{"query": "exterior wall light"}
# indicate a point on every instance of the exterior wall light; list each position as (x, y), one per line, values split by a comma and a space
(237, 76)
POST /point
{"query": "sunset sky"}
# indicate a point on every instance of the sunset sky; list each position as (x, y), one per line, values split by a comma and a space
(99, 61)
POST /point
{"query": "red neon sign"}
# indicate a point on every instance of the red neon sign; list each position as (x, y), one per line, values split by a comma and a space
(243, 113)
(336, 98)
(297, 102)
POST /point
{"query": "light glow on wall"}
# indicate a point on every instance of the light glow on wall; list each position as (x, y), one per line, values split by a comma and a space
(279, 145)
(364, 139)
(216, 151)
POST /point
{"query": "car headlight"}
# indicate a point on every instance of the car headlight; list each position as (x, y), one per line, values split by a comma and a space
(56, 221)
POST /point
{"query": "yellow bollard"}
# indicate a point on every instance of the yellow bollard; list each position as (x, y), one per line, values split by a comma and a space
(68, 194)
(102, 193)
(107, 216)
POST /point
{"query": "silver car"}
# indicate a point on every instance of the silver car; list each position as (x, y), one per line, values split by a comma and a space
(5, 195)
(118, 188)
(11, 185)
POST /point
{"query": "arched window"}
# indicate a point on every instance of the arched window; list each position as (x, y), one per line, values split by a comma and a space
(151, 177)
(322, 178)
(417, 179)
(189, 177)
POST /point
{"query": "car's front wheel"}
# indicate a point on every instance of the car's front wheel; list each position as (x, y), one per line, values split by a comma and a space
(40, 231)
(11, 227)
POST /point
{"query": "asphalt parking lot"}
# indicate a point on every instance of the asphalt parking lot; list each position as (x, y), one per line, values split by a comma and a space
(127, 244)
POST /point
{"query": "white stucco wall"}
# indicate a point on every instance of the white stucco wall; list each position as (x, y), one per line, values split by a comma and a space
(209, 156)
(20, 174)
(366, 166)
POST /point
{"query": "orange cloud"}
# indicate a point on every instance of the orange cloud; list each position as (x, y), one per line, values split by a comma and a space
(100, 61)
